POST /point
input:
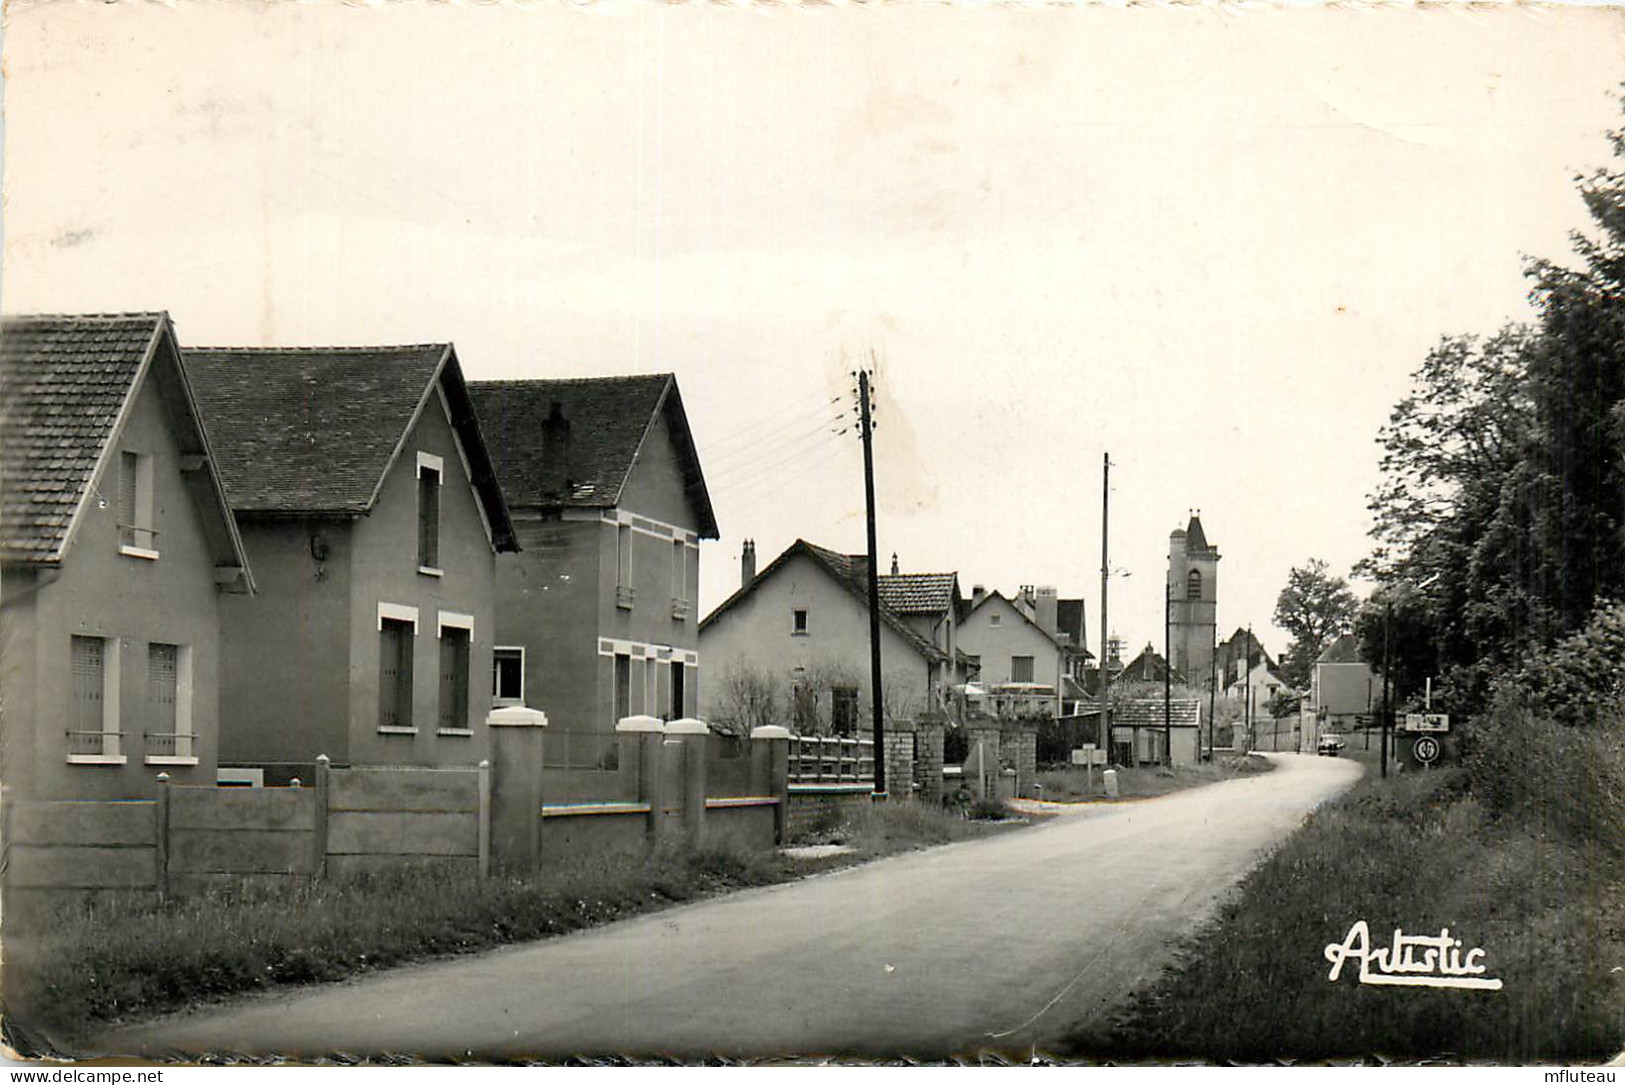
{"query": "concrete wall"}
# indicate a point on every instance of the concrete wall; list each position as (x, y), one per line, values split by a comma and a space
(758, 633)
(132, 602)
(812, 807)
(557, 597)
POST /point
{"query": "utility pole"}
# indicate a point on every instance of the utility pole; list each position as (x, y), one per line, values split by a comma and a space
(1212, 685)
(1387, 694)
(1167, 674)
(867, 433)
(1247, 690)
(1105, 575)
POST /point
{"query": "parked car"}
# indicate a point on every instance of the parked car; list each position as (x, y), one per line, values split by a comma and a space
(1330, 746)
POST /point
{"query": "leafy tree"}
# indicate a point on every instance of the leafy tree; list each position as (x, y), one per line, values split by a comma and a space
(1314, 607)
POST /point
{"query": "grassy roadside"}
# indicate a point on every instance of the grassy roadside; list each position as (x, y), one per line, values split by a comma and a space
(119, 963)
(1069, 784)
(1419, 851)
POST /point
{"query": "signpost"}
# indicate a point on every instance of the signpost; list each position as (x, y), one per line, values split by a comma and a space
(1418, 721)
(1089, 755)
(1426, 750)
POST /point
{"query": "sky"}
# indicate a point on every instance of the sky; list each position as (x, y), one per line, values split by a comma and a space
(1213, 243)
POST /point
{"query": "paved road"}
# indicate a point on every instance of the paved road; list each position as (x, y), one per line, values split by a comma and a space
(996, 944)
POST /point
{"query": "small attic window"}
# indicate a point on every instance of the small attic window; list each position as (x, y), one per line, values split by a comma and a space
(138, 538)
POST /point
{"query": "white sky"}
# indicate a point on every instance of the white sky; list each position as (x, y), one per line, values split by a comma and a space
(1212, 242)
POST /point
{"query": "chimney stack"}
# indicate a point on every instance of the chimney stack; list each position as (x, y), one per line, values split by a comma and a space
(894, 563)
(977, 594)
(1046, 610)
(747, 563)
(556, 454)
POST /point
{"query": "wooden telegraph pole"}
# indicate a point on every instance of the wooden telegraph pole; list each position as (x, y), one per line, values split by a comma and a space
(867, 432)
(1167, 674)
(1105, 574)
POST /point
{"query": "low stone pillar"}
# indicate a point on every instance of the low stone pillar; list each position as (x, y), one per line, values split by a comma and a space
(899, 755)
(929, 736)
(984, 766)
(1019, 744)
(646, 735)
(691, 733)
(516, 787)
(770, 772)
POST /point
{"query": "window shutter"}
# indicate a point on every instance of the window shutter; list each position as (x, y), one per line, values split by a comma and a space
(88, 670)
(129, 469)
(429, 517)
(453, 679)
(161, 687)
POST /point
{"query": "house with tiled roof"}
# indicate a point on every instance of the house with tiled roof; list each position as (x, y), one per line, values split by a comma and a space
(802, 625)
(365, 495)
(596, 611)
(117, 550)
(1342, 688)
(1016, 654)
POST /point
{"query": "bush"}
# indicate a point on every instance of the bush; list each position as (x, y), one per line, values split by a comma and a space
(1580, 681)
(988, 808)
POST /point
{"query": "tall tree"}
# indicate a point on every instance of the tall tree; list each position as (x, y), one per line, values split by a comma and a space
(1314, 607)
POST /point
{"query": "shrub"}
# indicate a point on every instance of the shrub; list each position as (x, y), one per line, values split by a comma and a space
(1580, 681)
(988, 808)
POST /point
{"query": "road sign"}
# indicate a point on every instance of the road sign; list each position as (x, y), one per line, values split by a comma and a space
(1417, 721)
(1427, 749)
(1084, 755)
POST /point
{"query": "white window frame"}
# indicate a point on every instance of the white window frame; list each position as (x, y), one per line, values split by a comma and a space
(183, 712)
(624, 569)
(450, 619)
(142, 529)
(502, 702)
(111, 750)
(437, 464)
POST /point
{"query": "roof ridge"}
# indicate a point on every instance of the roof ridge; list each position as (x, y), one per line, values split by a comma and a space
(512, 382)
(351, 349)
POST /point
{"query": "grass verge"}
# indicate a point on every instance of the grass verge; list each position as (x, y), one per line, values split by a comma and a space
(1069, 784)
(1421, 853)
(112, 963)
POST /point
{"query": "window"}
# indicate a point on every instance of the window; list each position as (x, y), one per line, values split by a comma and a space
(429, 473)
(453, 679)
(844, 710)
(93, 737)
(995, 619)
(623, 566)
(1193, 585)
(973, 664)
(1021, 668)
(623, 686)
(679, 683)
(507, 676)
(396, 638)
(169, 708)
(800, 620)
(137, 537)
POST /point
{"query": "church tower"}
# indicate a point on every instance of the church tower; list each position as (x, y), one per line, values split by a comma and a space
(1193, 577)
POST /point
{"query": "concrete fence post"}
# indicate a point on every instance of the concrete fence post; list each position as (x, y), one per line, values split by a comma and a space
(770, 754)
(318, 843)
(692, 734)
(647, 735)
(929, 737)
(514, 781)
(161, 838)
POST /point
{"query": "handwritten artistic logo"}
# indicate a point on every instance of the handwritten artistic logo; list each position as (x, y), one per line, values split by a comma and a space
(1413, 960)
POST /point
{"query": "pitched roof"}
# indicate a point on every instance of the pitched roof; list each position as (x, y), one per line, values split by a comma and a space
(1148, 712)
(314, 430)
(1345, 649)
(847, 571)
(1195, 537)
(918, 593)
(67, 383)
(610, 420)
(1148, 666)
(1015, 605)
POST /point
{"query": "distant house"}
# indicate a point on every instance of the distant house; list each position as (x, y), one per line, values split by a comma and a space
(1139, 725)
(802, 624)
(1259, 686)
(1014, 650)
(367, 500)
(1240, 652)
(1148, 666)
(116, 547)
(1342, 688)
(596, 614)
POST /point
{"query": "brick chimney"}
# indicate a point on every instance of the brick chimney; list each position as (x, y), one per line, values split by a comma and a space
(1046, 610)
(556, 453)
(977, 594)
(894, 569)
(747, 563)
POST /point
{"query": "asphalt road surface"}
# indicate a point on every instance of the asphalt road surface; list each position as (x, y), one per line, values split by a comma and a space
(1001, 944)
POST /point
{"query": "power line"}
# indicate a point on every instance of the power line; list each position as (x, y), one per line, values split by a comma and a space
(805, 413)
(735, 457)
(752, 472)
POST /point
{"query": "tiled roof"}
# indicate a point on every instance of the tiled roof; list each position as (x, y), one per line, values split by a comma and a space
(917, 593)
(1195, 537)
(1345, 649)
(1148, 712)
(846, 570)
(309, 429)
(63, 383)
(1148, 666)
(608, 419)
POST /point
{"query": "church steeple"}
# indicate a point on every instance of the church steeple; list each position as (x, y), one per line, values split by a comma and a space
(1193, 583)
